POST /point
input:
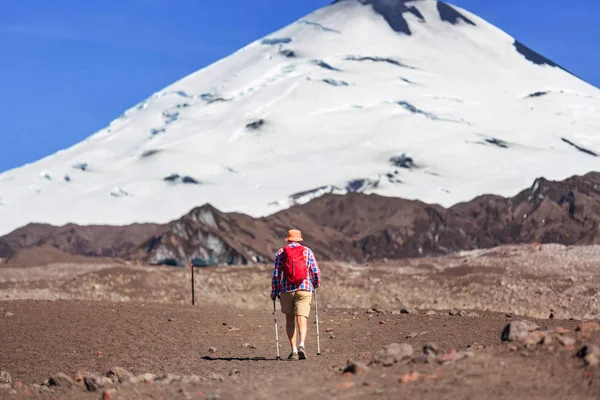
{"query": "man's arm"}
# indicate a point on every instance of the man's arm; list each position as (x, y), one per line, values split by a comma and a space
(276, 280)
(315, 273)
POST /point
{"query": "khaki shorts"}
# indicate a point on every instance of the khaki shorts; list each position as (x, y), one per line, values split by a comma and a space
(296, 303)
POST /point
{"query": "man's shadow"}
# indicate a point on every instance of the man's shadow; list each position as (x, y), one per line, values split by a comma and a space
(207, 358)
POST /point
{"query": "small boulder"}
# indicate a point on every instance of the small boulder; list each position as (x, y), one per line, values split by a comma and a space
(92, 382)
(590, 354)
(376, 308)
(408, 310)
(5, 377)
(145, 378)
(109, 394)
(355, 367)
(392, 353)
(537, 337)
(61, 380)
(453, 312)
(216, 377)
(410, 377)
(167, 379)
(588, 327)
(212, 349)
(515, 331)
(193, 379)
(566, 340)
(462, 313)
(118, 374)
(531, 326)
(431, 349)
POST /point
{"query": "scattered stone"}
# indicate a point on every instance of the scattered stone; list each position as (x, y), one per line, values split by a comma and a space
(376, 309)
(8, 314)
(446, 358)
(145, 378)
(475, 346)
(78, 378)
(431, 349)
(423, 359)
(531, 326)
(462, 313)
(61, 380)
(171, 319)
(213, 396)
(212, 349)
(410, 377)
(588, 327)
(329, 330)
(408, 310)
(537, 337)
(5, 377)
(109, 394)
(590, 354)
(515, 331)
(566, 340)
(216, 377)
(235, 372)
(344, 386)
(118, 374)
(382, 322)
(233, 329)
(412, 335)
(473, 315)
(193, 379)
(453, 312)
(91, 382)
(392, 353)
(463, 354)
(167, 379)
(355, 367)
(561, 330)
(396, 312)
(249, 346)
(431, 313)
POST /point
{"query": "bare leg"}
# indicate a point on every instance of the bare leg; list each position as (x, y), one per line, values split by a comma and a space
(303, 327)
(290, 327)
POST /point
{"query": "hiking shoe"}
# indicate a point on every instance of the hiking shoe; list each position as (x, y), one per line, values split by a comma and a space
(293, 356)
(302, 353)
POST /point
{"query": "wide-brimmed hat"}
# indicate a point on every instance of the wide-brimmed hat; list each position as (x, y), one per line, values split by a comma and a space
(294, 235)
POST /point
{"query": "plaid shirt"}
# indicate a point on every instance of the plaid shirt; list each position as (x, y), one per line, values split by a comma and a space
(279, 283)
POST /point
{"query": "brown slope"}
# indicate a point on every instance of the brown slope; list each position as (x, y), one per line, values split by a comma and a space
(86, 241)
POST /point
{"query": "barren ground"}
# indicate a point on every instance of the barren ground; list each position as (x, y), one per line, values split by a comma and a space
(89, 318)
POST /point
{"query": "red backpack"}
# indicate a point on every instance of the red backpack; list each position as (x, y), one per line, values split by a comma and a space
(294, 264)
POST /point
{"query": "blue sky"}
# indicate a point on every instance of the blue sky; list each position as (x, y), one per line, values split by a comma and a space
(69, 67)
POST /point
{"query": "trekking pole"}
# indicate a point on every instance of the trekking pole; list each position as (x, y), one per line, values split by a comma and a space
(317, 316)
(192, 268)
(276, 333)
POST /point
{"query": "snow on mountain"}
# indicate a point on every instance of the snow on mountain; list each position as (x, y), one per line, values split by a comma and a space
(415, 99)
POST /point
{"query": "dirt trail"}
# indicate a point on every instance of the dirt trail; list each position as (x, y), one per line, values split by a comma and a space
(42, 338)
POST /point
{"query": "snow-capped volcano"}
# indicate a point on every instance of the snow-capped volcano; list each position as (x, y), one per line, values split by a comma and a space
(415, 99)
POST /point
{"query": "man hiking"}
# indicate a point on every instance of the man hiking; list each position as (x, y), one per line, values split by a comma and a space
(295, 276)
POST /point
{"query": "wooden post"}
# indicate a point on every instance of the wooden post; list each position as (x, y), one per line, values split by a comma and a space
(192, 268)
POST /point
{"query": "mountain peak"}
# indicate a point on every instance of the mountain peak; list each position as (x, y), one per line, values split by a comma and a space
(414, 99)
(395, 12)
